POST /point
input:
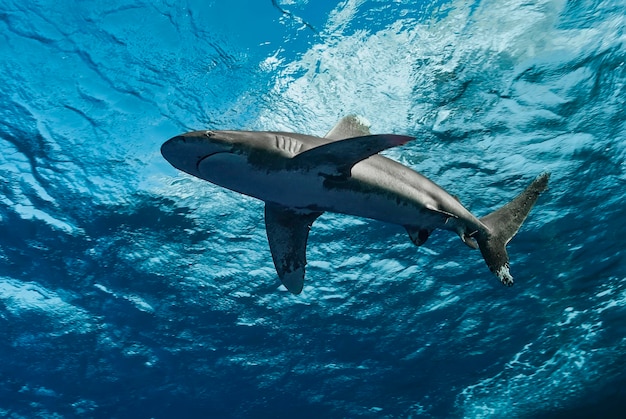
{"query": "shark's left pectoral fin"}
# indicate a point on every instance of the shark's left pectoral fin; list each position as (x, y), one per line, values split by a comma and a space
(338, 157)
(287, 234)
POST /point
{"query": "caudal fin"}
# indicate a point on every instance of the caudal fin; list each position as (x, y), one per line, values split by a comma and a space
(502, 225)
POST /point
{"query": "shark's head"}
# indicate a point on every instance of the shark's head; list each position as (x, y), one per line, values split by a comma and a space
(237, 160)
(187, 152)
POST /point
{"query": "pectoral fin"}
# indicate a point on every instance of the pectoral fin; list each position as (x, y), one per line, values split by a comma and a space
(338, 157)
(287, 234)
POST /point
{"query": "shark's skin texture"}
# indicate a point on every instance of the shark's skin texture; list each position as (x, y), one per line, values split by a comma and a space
(299, 177)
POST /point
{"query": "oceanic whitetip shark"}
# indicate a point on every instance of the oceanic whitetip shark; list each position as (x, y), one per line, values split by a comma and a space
(299, 177)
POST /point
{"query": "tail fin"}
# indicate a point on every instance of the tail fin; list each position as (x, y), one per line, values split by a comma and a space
(502, 225)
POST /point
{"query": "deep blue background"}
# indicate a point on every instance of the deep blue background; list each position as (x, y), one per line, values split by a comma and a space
(128, 289)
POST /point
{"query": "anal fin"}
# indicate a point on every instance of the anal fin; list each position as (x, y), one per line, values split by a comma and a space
(287, 233)
(418, 235)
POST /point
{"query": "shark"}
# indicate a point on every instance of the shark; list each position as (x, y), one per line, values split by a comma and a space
(300, 177)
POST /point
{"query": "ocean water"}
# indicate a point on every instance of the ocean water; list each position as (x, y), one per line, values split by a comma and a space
(131, 290)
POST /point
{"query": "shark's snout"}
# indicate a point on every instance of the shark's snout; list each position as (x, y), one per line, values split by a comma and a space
(184, 152)
(168, 148)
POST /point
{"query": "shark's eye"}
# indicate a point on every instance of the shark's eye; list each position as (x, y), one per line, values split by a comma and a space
(209, 133)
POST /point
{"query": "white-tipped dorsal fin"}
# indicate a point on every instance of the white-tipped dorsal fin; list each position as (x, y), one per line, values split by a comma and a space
(349, 126)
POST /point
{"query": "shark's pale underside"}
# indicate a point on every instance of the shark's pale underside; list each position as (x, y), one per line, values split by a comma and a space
(299, 177)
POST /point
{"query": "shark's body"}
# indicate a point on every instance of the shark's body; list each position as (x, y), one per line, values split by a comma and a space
(300, 176)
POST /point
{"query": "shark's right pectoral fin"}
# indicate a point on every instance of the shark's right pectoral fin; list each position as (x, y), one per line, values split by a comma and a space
(287, 234)
(338, 157)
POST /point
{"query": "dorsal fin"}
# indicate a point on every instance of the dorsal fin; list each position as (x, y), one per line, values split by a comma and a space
(338, 157)
(348, 127)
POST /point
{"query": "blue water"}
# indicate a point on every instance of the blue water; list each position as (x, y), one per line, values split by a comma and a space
(131, 290)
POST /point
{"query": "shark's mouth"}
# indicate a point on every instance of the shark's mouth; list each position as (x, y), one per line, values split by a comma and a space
(203, 159)
(224, 168)
(186, 152)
